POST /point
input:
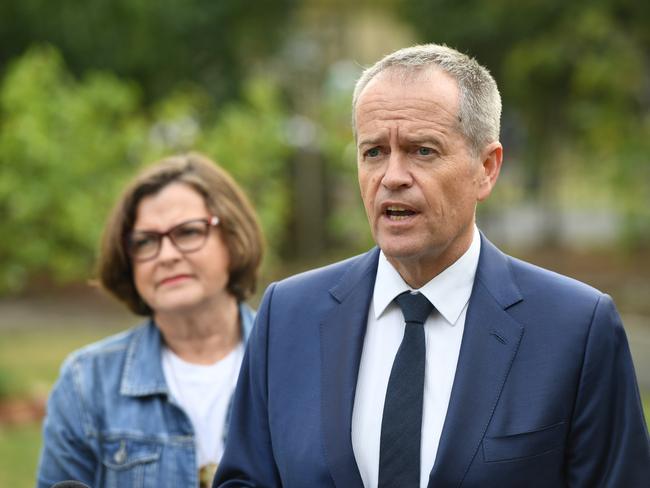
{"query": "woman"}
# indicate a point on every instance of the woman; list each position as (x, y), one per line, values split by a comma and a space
(149, 406)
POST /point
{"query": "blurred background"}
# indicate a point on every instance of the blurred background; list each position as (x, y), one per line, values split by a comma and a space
(91, 91)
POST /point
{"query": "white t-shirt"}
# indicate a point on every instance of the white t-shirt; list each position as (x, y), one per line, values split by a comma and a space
(204, 393)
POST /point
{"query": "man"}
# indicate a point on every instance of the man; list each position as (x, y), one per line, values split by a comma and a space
(511, 376)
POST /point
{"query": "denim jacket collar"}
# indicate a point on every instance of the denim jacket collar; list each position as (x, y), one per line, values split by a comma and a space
(143, 374)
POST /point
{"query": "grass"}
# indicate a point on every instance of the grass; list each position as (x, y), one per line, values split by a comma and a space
(29, 364)
(19, 447)
(30, 359)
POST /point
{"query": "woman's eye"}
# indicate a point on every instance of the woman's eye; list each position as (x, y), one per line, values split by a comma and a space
(140, 242)
(189, 231)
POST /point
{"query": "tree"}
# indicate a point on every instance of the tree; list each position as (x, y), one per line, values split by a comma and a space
(156, 43)
(574, 81)
(65, 147)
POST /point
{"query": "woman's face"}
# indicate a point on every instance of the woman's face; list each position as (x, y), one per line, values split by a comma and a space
(174, 281)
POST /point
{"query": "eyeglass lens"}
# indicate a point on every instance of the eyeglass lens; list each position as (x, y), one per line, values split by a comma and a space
(186, 237)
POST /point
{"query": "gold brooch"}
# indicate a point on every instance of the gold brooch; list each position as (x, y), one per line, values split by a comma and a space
(206, 474)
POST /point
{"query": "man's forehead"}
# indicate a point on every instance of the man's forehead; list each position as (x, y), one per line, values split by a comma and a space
(401, 83)
(408, 75)
(428, 95)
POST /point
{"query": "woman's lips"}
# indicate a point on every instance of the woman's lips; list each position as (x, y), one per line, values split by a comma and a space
(172, 280)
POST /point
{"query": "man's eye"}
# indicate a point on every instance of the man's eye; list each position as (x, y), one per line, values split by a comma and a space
(425, 151)
(373, 152)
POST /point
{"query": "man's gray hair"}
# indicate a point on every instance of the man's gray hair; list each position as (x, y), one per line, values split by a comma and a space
(479, 104)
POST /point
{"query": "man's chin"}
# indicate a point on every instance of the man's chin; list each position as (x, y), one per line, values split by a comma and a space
(408, 251)
(400, 250)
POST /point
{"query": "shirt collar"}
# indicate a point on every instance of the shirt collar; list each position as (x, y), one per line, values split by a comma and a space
(449, 291)
(143, 374)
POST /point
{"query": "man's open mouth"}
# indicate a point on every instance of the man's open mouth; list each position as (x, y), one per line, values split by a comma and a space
(395, 212)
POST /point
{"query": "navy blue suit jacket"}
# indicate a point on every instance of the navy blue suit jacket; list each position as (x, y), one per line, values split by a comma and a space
(544, 395)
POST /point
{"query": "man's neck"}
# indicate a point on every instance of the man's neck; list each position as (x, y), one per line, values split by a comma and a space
(418, 270)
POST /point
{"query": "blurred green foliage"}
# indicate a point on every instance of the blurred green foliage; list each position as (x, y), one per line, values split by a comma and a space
(90, 92)
(67, 146)
(574, 78)
(155, 43)
(249, 140)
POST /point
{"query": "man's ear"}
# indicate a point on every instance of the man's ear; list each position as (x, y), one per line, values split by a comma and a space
(491, 159)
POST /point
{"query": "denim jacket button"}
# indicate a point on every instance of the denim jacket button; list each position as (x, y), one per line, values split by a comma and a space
(120, 454)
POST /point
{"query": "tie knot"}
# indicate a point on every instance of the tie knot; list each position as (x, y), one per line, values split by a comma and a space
(415, 307)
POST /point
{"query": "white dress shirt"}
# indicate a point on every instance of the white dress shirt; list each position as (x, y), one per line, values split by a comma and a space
(449, 292)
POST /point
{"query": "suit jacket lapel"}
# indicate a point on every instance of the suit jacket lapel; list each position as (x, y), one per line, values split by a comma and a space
(490, 342)
(342, 334)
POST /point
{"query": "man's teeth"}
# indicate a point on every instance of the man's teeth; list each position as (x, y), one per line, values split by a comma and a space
(398, 213)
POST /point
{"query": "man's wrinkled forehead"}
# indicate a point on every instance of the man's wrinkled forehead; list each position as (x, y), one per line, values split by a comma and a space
(430, 82)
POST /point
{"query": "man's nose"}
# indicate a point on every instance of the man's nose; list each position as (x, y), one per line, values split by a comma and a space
(397, 172)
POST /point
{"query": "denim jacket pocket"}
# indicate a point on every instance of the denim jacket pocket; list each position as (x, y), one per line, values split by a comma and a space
(130, 462)
(527, 444)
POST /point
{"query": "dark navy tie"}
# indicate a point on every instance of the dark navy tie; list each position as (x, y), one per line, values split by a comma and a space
(401, 425)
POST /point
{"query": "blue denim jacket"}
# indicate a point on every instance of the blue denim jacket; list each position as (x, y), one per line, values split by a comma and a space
(111, 421)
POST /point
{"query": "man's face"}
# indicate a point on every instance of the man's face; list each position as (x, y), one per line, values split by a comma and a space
(419, 179)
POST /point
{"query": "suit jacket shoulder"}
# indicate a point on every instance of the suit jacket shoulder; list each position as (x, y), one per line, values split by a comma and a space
(319, 289)
(524, 289)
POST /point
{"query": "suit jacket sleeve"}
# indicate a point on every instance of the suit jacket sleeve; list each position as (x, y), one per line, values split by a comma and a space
(608, 441)
(248, 459)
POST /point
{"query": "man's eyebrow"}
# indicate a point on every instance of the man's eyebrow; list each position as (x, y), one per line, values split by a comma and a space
(370, 141)
(425, 137)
